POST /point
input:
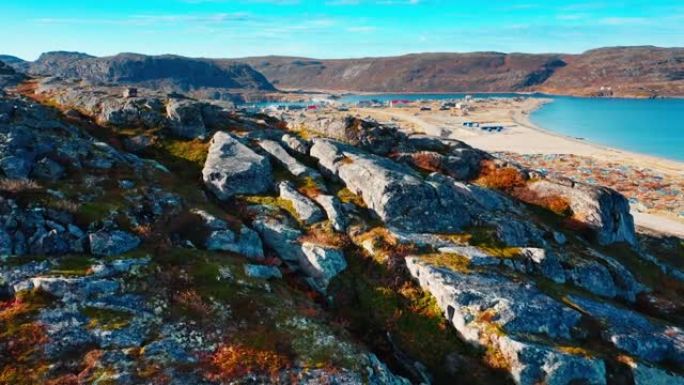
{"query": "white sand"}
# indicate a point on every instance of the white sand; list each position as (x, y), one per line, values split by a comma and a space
(521, 136)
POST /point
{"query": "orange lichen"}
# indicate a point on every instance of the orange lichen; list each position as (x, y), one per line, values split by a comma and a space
(501, 178)
(231, 362)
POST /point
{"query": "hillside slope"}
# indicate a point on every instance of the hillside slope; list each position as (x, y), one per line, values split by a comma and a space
(627, 71)
(165, 72)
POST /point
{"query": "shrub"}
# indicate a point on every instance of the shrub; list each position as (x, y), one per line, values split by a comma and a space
(231, 362)
(428, 161)
(501, 178)
(323, 234)
(192, 302)
(16, 186)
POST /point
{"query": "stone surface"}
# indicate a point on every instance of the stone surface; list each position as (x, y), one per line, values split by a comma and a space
(399, 196)
(601, 209)
(292, 165)
(322, 263)
(262, 272)
(112, 243)
(232, 168)
(307, 210)
(334, 210)
(185, 118)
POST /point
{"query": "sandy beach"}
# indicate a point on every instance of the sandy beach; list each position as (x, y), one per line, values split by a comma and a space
(539, 147)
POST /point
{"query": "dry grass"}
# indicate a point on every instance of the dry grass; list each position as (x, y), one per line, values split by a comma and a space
(65, 205)
(428, 161)
(232, 362)
(323, 234)
(192, 302)
(16, 186)
(500, 178)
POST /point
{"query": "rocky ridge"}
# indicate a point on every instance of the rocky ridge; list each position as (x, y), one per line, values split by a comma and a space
(213, 246)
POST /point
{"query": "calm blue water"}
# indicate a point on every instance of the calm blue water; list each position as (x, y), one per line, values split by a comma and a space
(654, 127)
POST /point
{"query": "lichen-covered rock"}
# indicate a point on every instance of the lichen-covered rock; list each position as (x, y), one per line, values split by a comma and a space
(112, 243)
(334, 210)
(322, 263)
(232, 168)
(281, 156)
(647, 375)
(185, 118)
(399, 196)
(262, 271)
(307, 211)
(490, 309)
(634, 333)
(604, 211)
(295, 144)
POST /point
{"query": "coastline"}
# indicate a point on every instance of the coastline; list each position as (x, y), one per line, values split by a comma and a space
(531, 144)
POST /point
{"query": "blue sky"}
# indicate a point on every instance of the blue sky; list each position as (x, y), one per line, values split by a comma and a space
(333, 28)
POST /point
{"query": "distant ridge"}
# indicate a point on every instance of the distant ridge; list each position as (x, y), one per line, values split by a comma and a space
(164, 72)
(643, 71)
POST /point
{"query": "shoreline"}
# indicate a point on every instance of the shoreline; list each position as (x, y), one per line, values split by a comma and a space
(616, 168)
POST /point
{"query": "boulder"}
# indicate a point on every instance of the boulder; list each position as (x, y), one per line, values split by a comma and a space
(17, 166)
(647, 375)
(47, 169)
(232, 168)
(334, 210)
(281, 156)
(490, 309)
(399, 195)
(246, 243)
(322, 263)
(634, 333)
(185, 118)
(112, 243)
(602, 210)
(295, 144)
(262, 272)
(307, 211)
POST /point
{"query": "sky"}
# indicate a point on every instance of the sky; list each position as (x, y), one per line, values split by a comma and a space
(333, 28)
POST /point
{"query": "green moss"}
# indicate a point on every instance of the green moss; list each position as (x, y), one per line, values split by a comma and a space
(73, 265)
(450, 261)
(346, 196)
(107, 319)
(272, 201)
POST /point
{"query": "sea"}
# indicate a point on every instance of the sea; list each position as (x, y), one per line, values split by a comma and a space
(648, 126)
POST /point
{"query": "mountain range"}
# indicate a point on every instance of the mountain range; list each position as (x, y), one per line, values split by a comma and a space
(644, 71)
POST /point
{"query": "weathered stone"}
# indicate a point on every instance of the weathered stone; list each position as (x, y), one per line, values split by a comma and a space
(246, 243)
(648, 375)
(111, 243)
(233, 168)
(47, 169)
(281, 156)
(516, 309)
(185, 118)
(295, 144)
(16, 166)
(601, 209)
(593, 277)
(322, 262)
(280, 236)
(634, 333)
(334, 210)
(307, 211)
(396, 193)
(262, 272)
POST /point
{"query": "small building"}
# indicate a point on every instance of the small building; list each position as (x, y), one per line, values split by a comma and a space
(400, 103)
(130, 93)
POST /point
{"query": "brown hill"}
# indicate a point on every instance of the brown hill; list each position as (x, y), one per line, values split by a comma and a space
(624, 71)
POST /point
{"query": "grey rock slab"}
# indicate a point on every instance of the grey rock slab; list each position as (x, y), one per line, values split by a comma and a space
(262, 271)
(634, 333)
(307, 210)
(112, 243)
(280, 155)
(603, 210)
(400, 196)
(334, 210)
(232, 168)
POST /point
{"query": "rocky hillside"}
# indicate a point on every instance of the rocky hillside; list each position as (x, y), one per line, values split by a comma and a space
(628, 71)
(167, 72)
(162, 239)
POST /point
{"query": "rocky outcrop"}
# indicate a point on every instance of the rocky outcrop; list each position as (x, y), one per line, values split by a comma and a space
(478, 305)
(232, 168)
(292, 165)
(322, 263)
(602, 210)
(112, 243)
(307, 211)
(398, 195)
(185, 118)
